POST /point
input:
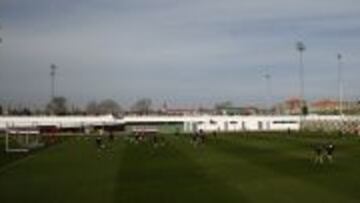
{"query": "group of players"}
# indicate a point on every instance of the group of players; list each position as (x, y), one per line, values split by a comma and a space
(324, 152)
(151, 138)
(199, 137)
(99, 139)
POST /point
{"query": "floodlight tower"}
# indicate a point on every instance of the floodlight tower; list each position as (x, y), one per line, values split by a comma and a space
(300, 47)
(53, 68)
(267, 78)
(340, 84)
(0, 37)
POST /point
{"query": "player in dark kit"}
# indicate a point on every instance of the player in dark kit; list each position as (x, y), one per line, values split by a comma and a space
(98, 142)
(155, 141)
(214, 133)
(202, 136)
(194, 136)
(329, 152)
(177, 131)
(111, 136)
(318, 149)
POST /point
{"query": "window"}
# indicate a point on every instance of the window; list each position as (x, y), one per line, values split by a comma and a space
(284, 122)
(212, 122)
(233, 122)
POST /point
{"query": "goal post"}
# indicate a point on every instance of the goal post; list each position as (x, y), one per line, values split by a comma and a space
(21, 139)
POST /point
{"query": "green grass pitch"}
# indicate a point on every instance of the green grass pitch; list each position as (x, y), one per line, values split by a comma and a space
(232, 168)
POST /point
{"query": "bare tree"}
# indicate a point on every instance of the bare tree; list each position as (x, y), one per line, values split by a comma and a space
(57, 106)
(92, 108)
(142, 106)
(109, 106)
(223, 105)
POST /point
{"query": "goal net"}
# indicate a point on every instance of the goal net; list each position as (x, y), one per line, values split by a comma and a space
(22, 139)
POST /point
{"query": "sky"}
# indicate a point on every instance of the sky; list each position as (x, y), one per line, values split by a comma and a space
(186, 53)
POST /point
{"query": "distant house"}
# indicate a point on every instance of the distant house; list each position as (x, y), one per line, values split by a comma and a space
(291, 106)
(294, 105)
(323, 106)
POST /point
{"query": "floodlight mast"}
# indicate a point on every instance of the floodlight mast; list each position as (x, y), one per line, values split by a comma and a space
(53, 68)
(300, 47)
(340, 84)
(267, 77)
(0, 37)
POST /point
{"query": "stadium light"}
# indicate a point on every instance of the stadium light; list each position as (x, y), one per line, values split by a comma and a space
(1, 40)
(340, 84)
(300, 47)
(267, 78)
(53, 68)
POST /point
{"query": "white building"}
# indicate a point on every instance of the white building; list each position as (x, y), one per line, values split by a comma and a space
(206, 123)
(221, 123)
(56, 121)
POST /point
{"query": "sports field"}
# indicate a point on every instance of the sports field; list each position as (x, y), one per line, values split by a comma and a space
(232, 168)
